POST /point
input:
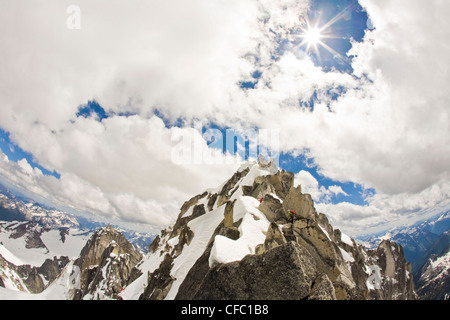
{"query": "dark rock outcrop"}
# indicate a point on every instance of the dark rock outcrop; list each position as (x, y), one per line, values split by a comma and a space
(160, 281)
(284, 272)
(395, 280)
(32, 279)
(31, 232)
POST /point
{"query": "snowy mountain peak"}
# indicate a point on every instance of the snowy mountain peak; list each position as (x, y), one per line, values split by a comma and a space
(235, 242)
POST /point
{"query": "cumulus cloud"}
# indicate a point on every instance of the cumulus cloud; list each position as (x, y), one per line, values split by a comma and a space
(310, 185)
(382, 211)
(389, 126)
(122, 168)
(337, 190)
(185, 59)
(398, 142)
(353, 219)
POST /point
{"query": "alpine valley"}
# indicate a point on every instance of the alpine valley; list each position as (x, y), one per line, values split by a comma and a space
(232, 242)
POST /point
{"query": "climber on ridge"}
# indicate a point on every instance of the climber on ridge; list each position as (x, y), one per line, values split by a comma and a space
(290, 216)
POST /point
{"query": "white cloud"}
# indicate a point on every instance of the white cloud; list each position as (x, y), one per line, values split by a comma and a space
(26, 167)
(383, 211)
(337, 190)
(390, 133)
(180, 56)
(354, 219)
(389, 129)
(310, 185)
(185, 59)
(121, 168)
(407, 116)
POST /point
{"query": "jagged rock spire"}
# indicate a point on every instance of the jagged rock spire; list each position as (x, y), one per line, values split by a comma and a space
(105, 265)
(235, 242)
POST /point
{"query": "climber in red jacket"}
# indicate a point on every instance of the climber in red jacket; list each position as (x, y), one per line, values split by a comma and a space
(290, 216)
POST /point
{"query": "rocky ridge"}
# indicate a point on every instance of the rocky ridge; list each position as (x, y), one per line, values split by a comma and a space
(235, 242)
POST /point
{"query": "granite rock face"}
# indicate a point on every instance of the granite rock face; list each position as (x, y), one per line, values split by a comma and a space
(31, 279)
(105, 265)
(284, 272)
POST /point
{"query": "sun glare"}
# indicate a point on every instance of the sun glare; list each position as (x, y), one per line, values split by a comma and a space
(312, 36)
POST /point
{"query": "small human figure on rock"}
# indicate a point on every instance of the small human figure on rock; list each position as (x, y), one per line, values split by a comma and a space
(290, 216)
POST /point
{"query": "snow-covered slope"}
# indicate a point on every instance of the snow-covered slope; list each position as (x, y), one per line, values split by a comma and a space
(32, 256)
(13, 208)
(434, 280)
(17, 238)
(36, 243)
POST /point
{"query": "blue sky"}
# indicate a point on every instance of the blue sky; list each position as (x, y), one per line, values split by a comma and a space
(355, 114)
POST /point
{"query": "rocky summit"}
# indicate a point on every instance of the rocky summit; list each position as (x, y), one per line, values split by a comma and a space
(237, 242)
(104, 266)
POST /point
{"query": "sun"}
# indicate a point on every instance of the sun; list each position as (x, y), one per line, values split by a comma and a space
(312, 36)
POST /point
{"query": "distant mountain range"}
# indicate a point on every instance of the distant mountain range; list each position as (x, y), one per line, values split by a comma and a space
(14, 208)
(426, 246)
